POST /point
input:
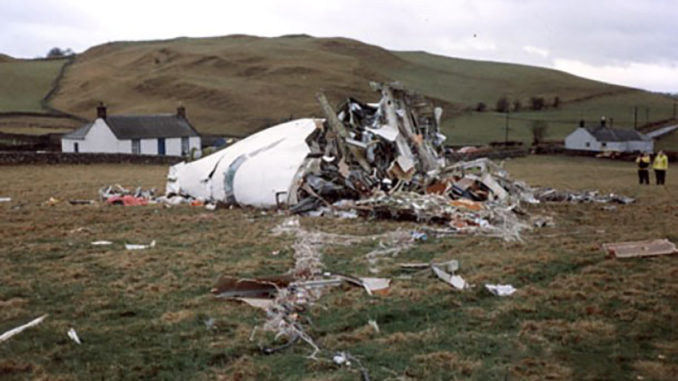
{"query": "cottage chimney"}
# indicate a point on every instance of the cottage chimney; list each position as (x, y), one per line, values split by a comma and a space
(602, 121)
(582, 123)
(181, 112)
(101, 110)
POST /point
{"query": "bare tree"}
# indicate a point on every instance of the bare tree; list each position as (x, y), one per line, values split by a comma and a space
(503, 104)
(58, 52)
(537, 103)
(539, 130)
(517, 105)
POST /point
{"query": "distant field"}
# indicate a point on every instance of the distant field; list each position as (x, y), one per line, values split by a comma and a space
(25, 82)
(142, 314)
(36, 125)
(668, 143)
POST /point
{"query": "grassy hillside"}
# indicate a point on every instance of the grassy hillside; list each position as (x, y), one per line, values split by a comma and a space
(233, 84)
(239, 84)
(25, 82)
(468, 82)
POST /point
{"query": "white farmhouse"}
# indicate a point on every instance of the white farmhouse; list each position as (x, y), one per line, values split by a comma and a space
(163, 134)
(608, 139)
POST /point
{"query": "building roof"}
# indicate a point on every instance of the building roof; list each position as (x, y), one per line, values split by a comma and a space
(80, 133)
(606, 134)
(150, 126)
(126, 127)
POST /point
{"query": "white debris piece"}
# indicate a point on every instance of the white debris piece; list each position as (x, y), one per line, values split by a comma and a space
(501, 289)
(101, 243)
(373, 285)
(453, 280)
(74, 335)
(5, 199)
(373, 323)
(5, 336)
(341, 359)
(129, 246)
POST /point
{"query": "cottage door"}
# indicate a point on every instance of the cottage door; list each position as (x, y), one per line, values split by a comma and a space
(161, 146)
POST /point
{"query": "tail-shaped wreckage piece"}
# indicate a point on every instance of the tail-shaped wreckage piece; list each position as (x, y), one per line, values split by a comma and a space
(308, 163)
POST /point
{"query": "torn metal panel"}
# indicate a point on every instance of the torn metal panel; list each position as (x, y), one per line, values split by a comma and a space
(640, 248)
(385, 132)
(448, 277)
(498, 191)
(263, 287)
(378, 286)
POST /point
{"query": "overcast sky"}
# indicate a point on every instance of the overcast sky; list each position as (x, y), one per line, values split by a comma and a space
(633, 43)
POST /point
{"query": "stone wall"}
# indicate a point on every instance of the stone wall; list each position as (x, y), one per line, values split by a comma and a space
(30, 157)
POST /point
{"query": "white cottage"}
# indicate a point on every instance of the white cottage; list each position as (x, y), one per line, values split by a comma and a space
(608, 139)
(164, 134)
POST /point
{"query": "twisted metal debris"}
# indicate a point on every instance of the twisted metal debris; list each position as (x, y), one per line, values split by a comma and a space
(283, 317)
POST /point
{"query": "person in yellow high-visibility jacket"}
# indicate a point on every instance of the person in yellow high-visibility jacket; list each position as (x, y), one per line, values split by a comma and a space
(660, 166)
(643, 161)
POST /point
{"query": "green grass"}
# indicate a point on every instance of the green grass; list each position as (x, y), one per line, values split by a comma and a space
(667, 142)
(577, 315)
(25, 82)
(468, 82)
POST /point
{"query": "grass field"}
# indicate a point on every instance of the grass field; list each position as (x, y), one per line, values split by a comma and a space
(25, 82)
(141, 315)
(482, 127)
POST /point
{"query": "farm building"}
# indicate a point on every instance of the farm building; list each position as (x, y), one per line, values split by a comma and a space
(163, 134)
(603, 138)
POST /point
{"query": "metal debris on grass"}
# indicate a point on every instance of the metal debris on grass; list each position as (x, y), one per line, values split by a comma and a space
(129, 246)
(501, 289)
(12, 332)
(285, 297)
(74, 336)
(640, 248)
(375, 160)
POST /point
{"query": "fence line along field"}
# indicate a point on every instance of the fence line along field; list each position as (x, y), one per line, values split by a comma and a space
(149, 314)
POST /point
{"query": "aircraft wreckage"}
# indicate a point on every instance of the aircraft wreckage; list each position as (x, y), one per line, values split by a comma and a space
(382, 160)
(306, 163)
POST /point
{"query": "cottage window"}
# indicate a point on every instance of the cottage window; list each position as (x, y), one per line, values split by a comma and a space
(76, 148)
(184, 146)
(136, 147)
(588, 144)
(604, 144)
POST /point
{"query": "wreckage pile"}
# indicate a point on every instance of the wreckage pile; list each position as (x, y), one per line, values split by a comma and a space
(382, 160)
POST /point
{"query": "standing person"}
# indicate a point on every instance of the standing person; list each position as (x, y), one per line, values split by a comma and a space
(660, 165)
(643, 161)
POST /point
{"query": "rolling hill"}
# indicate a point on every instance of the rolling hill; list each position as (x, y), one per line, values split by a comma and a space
(25, 82)
(239, 84)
